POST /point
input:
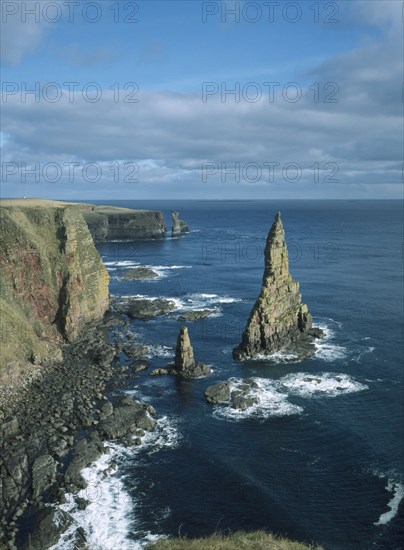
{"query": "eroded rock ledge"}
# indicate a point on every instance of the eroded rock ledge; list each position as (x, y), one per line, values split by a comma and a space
(279, 320)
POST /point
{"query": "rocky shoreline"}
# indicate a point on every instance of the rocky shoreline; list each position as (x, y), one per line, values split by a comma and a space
(57, 427)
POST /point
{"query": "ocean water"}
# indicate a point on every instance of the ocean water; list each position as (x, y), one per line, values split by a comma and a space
(320, 456)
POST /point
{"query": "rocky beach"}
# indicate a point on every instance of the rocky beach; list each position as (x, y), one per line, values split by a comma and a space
(59, 360)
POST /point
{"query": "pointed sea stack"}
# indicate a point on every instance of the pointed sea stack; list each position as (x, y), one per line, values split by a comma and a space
(278, 319)
(179, 226)
(185, 364)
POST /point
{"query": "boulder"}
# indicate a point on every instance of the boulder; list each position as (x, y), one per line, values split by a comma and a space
(136, 351)
(219, 393)
(50, 524)
(43, 474)
(128, 416)
(144, 309)
(196, 315)
(241, 400)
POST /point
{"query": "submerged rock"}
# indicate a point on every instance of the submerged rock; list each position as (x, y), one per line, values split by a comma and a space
(179, 226)
(139, 308)
(139, 274)
(278, 320)
(196, 315)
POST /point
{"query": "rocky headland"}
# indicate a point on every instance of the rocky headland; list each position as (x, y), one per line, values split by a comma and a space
(56, 368)
(279, 320)
(52, 281)
(109, 223)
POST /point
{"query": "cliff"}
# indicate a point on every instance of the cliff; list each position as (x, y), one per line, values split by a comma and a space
(52, 279)
(108, 223)
(278, 319)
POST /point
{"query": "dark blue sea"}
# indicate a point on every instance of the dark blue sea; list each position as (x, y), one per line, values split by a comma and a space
(320, 458)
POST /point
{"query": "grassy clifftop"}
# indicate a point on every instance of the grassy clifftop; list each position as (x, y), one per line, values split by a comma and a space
(52, 280)
(258, 540)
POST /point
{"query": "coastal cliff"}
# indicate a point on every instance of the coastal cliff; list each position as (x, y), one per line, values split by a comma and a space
(109, 223)
(279, 320)
(52, 280)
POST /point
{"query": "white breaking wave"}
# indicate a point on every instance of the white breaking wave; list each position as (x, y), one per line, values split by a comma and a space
(272, 396)
(281, 356)
(394, 486)
(326, 349)
(328, 384)
(164, 270)
(270, 402)
(160, 351)
(109, 516)
(191, 302)
(121, 263)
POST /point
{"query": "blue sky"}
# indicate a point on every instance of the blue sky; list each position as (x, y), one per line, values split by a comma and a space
(341, 137)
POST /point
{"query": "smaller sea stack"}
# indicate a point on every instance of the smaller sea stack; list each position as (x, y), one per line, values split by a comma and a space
(185, 364)
(179, 226)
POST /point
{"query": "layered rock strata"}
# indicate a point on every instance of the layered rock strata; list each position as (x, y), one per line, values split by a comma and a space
(52, 280)
(279, 320)
(108, 223)
(184, 365)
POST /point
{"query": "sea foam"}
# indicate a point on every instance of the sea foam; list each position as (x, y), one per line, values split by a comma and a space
(272, 396)
(395, 486)
(110, 514)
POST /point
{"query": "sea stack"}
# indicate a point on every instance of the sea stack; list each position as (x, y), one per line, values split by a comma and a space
(185, 364)
(179, 226)
(279, 319)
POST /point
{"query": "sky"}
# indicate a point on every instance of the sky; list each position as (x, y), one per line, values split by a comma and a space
(202, 99)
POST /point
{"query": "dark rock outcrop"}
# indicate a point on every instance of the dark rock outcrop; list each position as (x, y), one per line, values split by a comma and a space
(179, 226)
(144, 309)
(139, 274)
(128, 415)
(196, 315)
(278, 319)
(219, 393)
(239, 395)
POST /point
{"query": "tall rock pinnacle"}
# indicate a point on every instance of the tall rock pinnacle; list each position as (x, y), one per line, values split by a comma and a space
(278, 319)
(179, 226)
(184, 354)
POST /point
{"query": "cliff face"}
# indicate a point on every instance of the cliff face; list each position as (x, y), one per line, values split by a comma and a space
(108, 223)
(278, 319)
(52, 279)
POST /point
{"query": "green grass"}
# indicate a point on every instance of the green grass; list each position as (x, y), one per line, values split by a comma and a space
(257, 540)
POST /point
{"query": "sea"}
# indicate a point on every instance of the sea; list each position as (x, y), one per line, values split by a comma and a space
(319, 458)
